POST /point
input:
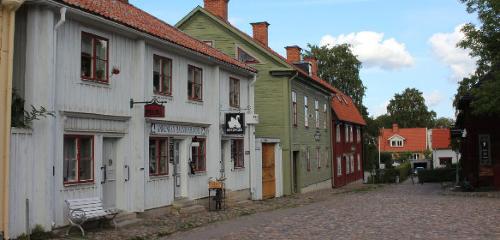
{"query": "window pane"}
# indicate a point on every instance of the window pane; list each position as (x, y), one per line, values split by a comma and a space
(86, 56)
(202, 156)
(101, 49)
(69, 164)
(197, 91)
(156, 74)
(166, 67)
(87, 44)
(100, 70)
(163, 157)
(190, 90)
(198, 76)
(152, 157)
(85, 168)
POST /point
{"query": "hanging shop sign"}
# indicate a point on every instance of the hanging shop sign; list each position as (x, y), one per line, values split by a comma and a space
(154, 110)
(235, 123)
(178, 130)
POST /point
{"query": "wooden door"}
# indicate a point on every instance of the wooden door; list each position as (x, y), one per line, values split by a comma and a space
(268, 171)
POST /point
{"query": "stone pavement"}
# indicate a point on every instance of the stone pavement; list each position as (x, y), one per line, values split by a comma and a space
(402, 211)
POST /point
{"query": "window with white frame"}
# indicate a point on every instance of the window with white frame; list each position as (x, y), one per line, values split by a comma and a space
(358, 134)
(347, 165)
(415, 156)
(234, 92)
(316, 112)
(306, 112)
(359, 162)
(158, 156)
(78, 162)
(325, 118)
(351, 134)
(397, 142)
(339, 166)
(337, 133)
(308, 159)
(318, 156)
(294, 108)
(346, 129)
(352, 163)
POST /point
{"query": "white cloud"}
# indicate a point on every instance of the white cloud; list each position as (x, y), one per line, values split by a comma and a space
(381, 109)
(444, 46)
(433, 99)
(373, 50)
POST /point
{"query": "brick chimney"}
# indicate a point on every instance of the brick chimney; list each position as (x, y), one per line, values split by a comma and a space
(395, 127)
(260, 32)
(293, 53)
(217, 8)
(314, 65)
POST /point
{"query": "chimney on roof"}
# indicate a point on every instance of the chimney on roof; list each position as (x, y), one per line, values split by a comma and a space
(217, 8)
(395, 127)
(260, 32)
(293, 53)
(314, 65)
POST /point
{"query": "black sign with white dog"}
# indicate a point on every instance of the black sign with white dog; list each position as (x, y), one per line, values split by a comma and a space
(235, 123)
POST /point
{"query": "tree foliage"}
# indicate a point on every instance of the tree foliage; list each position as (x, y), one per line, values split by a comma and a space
(408, 109)
(443, 122)
(484, 42)
(340, 67)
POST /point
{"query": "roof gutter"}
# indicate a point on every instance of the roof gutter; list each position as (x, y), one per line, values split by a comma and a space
(147, 36)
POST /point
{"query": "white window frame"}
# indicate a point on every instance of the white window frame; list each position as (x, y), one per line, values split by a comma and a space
(306, 112)
(337, 133)
(316, 112)
(347, 165)
(352, 163)
(351, 134)
(318, 156)
(326, 116)
(294, 109)
(339, 166)
(359, 162)
(358, 134)
(346, 129)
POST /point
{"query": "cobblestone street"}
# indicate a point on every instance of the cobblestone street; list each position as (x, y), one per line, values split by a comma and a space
(402, 211)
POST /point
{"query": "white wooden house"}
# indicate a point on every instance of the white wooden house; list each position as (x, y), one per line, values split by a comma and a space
(85, 62)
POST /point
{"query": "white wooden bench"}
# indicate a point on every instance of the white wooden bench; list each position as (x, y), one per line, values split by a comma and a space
(88, 209)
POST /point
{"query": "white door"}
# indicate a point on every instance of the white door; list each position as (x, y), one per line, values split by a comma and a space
(108, 173)
(177, 168)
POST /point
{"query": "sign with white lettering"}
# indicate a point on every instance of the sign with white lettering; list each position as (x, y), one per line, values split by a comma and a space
(172, 129)
(235, 123)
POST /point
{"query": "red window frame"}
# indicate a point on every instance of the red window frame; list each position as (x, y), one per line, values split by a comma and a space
(78, 158)
(194, 84)
(162, 75)
(202, 151)
(308, 159)
(238, 153)
(158, 141)
(234, 92)
(94, 59)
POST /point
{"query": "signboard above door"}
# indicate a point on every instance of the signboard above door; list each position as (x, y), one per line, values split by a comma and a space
(235, 123)
(154, 110)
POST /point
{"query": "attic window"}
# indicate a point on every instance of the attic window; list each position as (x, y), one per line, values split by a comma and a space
(396, 143)
(209, 42)
(245, 57)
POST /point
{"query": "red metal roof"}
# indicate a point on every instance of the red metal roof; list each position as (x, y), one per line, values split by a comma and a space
(441, 138)
(131, 16)
(415, 139)
(346, 110)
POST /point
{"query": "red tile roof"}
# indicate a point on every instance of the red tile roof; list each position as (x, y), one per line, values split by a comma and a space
(441, 138)
(131, 16)
(415, 140)
(346, 110)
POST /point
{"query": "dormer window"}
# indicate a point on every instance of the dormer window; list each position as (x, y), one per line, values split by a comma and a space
(396, 143)
(245, 57)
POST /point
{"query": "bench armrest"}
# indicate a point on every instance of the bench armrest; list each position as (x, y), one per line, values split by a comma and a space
(77, 215)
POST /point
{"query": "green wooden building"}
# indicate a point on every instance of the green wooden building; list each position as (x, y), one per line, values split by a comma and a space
(293, 104)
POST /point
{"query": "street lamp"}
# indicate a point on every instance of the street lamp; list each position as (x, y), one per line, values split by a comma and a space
(459, 134)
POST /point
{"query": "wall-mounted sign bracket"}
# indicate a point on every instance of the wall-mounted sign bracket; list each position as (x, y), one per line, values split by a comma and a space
(153, 101)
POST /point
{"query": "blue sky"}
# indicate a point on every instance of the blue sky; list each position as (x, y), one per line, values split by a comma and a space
(402, 43)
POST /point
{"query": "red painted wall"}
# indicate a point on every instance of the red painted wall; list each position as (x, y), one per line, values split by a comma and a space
(343, 149)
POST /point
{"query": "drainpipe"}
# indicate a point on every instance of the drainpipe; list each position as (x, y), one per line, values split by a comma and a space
(8, 8)
(251, 130)
(61, 21)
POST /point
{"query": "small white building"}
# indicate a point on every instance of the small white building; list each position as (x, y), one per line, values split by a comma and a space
(95, 64)
(440, 144)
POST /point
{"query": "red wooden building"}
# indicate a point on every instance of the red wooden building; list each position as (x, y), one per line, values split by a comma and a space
(347, 140)
(480, 148)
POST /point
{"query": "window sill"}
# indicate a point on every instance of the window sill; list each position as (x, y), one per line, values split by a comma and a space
(196, 102)
(198, 174)
(158, 178)
(76, 185)
(95, 84)
(238, 169)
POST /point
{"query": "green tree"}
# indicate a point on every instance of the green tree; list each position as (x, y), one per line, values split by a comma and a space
(484, 42)
(340, 67)
(408, 109)
(443, 122)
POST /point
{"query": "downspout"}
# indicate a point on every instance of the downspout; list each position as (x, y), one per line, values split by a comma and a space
(61, 21)
(8, 8)
(251, 103)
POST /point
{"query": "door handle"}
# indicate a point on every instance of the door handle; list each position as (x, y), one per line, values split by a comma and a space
(128, 173)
